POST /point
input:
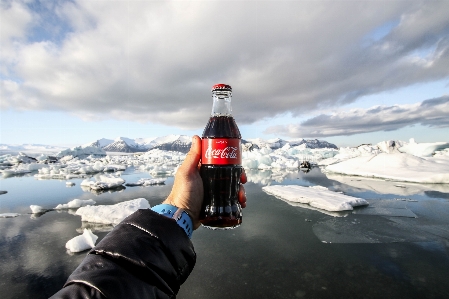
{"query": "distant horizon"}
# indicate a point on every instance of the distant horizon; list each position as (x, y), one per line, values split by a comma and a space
(56, 145)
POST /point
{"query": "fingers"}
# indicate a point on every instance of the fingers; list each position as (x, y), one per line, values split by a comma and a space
(242, 196)
(243, 178)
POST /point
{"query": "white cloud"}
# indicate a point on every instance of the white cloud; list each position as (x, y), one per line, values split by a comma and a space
(432, 113)
(156, 60)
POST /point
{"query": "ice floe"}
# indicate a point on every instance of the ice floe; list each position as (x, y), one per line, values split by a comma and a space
(396, 166)
(76, 203)
(112, 214)
(82, 152)
(83, 242)
(147, 182)
(316, 196)
(103, 182)
(9, 215)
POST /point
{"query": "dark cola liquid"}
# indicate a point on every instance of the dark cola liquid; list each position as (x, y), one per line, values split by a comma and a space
(221, 207)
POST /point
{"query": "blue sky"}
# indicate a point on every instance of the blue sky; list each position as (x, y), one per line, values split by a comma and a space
(348, 72)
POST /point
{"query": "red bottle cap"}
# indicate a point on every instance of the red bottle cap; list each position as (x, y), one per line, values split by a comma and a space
(222, 86)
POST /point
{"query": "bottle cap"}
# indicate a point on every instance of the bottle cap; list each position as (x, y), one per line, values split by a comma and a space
(222, 86)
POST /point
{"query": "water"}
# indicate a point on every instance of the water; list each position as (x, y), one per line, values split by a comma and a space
(279, 251)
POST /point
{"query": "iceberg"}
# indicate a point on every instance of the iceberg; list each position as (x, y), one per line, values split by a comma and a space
(82, 152)
(423, 149)
(83, 242)
(112, 214)
(316, 196)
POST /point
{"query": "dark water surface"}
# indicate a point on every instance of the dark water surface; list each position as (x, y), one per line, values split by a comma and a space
(280, 251)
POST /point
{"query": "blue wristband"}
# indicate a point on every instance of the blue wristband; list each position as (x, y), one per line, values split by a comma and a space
(179, 215)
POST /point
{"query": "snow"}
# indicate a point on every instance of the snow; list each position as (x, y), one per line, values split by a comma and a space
(316, 196)
(112, 214)
(83, 242)
(76, 203)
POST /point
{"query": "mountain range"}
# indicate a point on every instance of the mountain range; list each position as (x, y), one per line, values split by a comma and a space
(179, 143)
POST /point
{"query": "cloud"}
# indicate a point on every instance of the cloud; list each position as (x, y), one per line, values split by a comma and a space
(432, 113)
(155, 61)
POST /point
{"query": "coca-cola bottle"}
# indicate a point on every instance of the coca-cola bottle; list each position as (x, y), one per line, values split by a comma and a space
(221, 164)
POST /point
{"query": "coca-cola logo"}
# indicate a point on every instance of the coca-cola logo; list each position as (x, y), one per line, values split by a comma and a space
(228, 152)
(221, 151)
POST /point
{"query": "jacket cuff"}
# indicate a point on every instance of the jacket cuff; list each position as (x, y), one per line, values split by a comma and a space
(145, 252)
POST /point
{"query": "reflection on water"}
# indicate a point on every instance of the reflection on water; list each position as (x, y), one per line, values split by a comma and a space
(280, 250)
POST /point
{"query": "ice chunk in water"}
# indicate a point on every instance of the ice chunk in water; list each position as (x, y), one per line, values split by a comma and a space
(76, 203)
(112, 214)
(316, 196)
(147, 182)
(83, 242)
(104, 182)
(37, 209)
(9, 215)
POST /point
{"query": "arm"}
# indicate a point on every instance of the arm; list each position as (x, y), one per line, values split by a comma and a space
(147, 255)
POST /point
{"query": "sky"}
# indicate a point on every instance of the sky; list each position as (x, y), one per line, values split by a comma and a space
(348, 72)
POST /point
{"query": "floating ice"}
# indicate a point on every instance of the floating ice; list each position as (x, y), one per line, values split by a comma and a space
(397, 167)
(83, 242)
(316, 196)
(147, 182)
(9, 215)
(112, 214)
(381, 186)
(76, 203)
(104, 182)
(422, 149)
(82, 152)
(37, 209)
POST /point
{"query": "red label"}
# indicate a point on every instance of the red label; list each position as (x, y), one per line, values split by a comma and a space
(221, 151)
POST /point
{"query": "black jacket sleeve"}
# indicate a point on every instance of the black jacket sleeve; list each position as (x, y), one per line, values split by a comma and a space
(146, 256)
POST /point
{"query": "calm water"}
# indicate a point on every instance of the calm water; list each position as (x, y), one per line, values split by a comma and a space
(280, 251)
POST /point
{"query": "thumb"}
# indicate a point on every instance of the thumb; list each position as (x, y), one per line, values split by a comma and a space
(194, 155)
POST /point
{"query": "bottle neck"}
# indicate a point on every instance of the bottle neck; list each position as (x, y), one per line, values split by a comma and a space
(221, 103)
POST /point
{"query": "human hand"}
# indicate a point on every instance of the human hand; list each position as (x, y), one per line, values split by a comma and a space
(187, 192)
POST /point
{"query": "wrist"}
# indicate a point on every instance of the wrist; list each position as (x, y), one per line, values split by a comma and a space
(181, 217)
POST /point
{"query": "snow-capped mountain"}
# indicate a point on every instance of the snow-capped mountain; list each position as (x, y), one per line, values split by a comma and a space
(180, 143)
